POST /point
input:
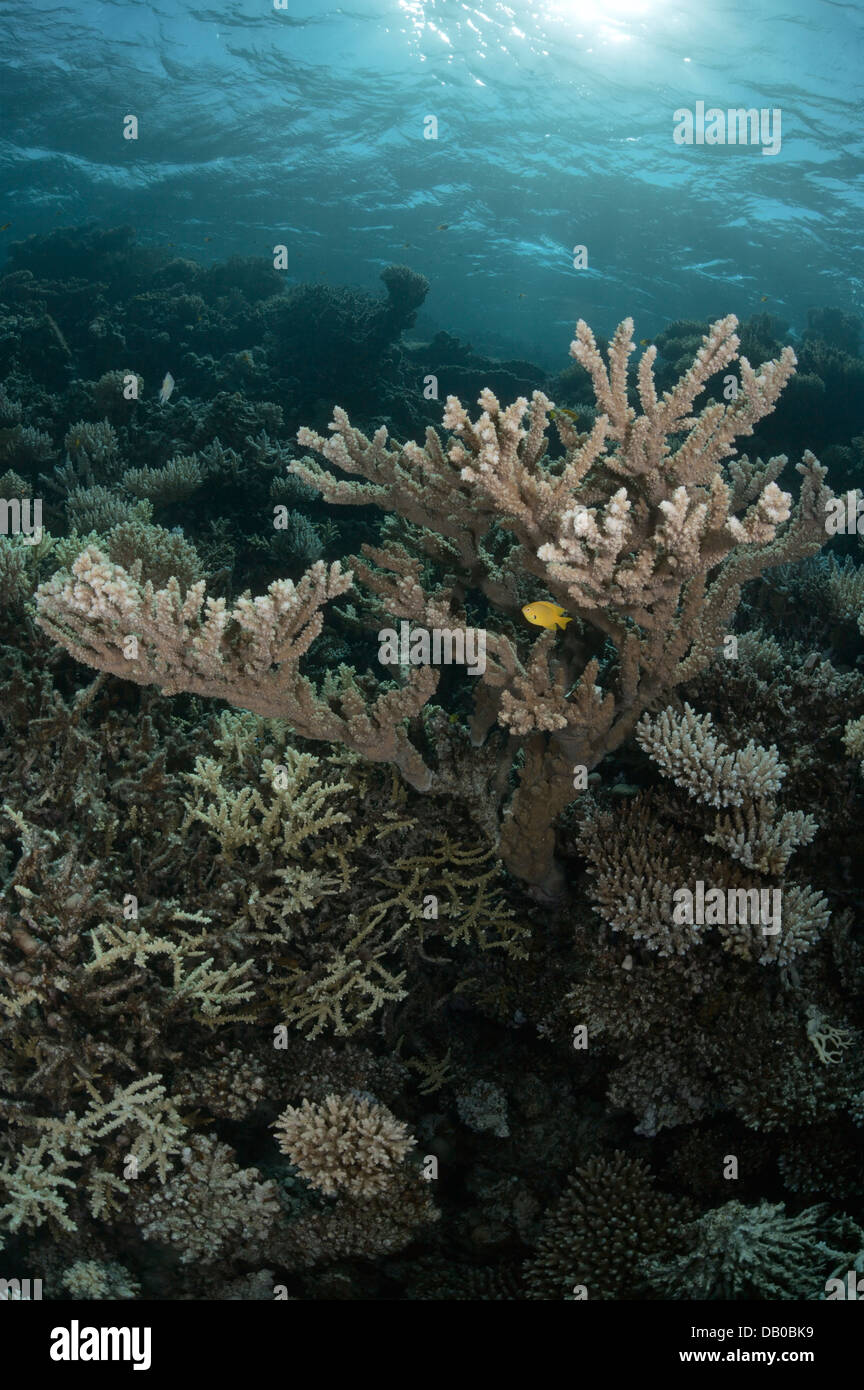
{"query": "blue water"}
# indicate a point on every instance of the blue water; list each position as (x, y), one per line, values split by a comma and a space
(304, 126)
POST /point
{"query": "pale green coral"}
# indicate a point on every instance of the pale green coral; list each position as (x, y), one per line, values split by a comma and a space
(740, 1252)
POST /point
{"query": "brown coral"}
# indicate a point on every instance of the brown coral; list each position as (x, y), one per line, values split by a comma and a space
(344, 1144)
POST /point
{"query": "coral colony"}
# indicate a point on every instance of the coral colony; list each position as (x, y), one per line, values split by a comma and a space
(445, 890)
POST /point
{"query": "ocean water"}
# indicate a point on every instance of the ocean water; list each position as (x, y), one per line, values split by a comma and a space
(305, 126)
(446, 890)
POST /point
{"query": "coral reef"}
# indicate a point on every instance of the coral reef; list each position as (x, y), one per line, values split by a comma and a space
(640, 540)
(595, 1240)
(739, 1252)
(344, 1144)
(332, 975)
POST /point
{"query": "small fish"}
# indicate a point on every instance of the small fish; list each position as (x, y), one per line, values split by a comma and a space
(548, 615)
(645, 342)
(564, 410)
(443, 227)
(208, 238)
(166, 388)
(521, 295)
(5, 227)
(764, 299)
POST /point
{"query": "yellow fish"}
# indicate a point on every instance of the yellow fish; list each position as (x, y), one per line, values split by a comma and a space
(565, 411)
(546, 615)
(645, 342)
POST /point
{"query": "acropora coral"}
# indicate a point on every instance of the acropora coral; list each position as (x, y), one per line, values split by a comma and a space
(642, 530)
(328, 978)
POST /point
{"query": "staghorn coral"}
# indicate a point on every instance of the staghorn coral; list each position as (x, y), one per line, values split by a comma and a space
(344, 1144)
(639, 869)
(248, 654)
(110, 395)
(69, 961)
(13, 485)
(140, 1114)
(179, 479)
(10, 408)
(24, 447)
(748, 1053)
(210, 1207)
(853, 739)
(828, 1039)
(641, 531)
(96, 508)
(17, 571)
(297, 544)
(696, 978)
(670, 568)
(844, 581)
(92, 446)
(686, 750)
(153, 554)
(740, 1252)
(88, 1279)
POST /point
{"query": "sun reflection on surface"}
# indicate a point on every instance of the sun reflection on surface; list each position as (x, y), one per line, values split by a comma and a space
(495, 24)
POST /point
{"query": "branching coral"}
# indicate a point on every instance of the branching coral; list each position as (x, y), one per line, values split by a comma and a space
(344, 1144)
(608, 1221)
(639, 868)
(140, 1112)
(685, 748)
(247, 654)
(642, 531)
(88, 1279)
(181, 476)
(205, 917)
(211, 1206)
(740, 1252)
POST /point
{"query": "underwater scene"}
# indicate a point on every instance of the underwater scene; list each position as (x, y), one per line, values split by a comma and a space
(431, 653)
